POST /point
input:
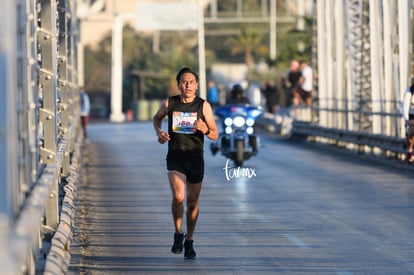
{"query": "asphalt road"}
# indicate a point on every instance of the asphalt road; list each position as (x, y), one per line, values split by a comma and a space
(298, 209)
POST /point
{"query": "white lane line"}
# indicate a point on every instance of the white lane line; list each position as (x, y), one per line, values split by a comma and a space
(343, 272)
(296, 241)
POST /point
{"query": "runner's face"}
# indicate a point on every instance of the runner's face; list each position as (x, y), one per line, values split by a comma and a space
(188, 85)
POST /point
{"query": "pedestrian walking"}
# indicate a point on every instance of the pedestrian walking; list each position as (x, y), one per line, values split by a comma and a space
(85, 108)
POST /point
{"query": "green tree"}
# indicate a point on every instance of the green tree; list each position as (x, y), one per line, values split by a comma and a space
(249, 42)
(97, 66)
(289, 41)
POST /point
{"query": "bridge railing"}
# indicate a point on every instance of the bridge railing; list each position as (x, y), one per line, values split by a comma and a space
(40, 135)
(340, 124)
(361, 142)
(302, 124)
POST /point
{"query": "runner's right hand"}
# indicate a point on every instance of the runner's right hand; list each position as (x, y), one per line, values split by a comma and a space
(163, 137)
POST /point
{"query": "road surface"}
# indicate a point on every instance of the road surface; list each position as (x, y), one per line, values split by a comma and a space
(296, 209)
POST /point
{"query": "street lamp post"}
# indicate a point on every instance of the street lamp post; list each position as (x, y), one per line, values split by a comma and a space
(201, 52)
(116, 82)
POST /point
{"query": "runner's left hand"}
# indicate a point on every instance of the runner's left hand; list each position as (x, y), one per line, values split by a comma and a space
(200, 125)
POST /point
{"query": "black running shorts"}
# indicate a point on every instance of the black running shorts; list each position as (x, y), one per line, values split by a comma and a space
(191, 166)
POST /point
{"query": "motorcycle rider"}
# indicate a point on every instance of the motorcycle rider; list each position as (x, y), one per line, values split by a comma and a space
(237, 96)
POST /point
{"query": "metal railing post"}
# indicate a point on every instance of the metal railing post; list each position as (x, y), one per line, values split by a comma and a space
(48, 80)
(64, 80)
(9, 193)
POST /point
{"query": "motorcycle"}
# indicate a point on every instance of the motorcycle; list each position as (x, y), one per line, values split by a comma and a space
(238, 140)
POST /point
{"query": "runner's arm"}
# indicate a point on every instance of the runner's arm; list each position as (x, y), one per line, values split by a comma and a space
(157, 122)
(210, 121)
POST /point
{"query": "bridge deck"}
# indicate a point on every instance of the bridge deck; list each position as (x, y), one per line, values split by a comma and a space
(276, 222)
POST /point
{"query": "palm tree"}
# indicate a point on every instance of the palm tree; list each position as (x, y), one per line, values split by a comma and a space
(249, 42)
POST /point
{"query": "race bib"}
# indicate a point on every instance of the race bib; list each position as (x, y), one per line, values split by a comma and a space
(183, 122)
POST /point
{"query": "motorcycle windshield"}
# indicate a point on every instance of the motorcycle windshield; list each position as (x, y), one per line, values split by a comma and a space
(244, 110)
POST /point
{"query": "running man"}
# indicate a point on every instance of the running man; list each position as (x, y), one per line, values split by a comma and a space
(190, 118)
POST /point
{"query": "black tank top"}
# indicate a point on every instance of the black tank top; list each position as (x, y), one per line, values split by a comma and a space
(184, 138)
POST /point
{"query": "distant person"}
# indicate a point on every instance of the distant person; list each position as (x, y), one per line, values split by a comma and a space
(294, 74)
(408, 115)
(237, 96)
(291, 81)
(85, 108)
(212, 94)
(303, 91)
(254, 94)
(222, 94)
(272, 97)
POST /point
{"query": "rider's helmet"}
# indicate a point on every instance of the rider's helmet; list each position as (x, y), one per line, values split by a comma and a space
(237, 91)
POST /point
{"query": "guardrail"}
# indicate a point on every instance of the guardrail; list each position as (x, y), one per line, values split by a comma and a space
(41, 137)
(287, 125)
(392, 147)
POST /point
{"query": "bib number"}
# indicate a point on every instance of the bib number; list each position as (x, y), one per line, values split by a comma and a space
(183, 122)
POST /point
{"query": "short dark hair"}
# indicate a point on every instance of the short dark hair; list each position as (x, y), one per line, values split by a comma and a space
(184, 70)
